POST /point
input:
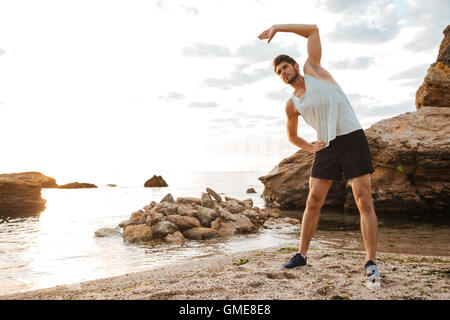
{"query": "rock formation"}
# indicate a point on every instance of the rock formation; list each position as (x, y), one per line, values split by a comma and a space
(435, 90)
(197, 219)
(155, 181)
(77, 185)
(410, 155)
(42, 180)
(20, 197)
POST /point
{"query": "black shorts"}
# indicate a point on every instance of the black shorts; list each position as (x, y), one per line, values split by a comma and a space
(348, 154)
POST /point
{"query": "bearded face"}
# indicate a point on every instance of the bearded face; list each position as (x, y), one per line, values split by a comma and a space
(287, 72)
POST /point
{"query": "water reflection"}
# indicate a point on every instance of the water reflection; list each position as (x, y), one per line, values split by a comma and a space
(59, 246)
(423, 235)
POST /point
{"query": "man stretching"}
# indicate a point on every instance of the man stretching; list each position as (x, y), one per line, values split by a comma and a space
(342, 146)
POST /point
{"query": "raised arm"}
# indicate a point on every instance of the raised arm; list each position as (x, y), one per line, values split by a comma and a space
(309, 31)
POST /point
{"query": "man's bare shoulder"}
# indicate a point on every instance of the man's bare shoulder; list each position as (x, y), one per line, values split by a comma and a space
(291, 110)
(318, 72)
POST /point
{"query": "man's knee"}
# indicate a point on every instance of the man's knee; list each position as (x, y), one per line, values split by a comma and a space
(364, 203)
(314, 202)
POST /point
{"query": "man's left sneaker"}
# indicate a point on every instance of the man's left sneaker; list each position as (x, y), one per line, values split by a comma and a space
(296, 261)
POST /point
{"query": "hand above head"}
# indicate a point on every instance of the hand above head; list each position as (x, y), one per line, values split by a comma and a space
(268, 34)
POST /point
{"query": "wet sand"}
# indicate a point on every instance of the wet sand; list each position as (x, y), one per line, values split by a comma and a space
(330, 274)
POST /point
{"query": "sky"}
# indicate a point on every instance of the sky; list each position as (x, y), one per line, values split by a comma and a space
(105, 91)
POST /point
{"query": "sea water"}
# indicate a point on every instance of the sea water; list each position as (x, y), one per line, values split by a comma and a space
(59, 247)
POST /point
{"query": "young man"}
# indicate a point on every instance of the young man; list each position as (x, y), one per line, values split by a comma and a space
(342, 146)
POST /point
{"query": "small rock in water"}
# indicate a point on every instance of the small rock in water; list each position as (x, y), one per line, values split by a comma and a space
(155, 181)
(206, 200)
(154, 217)
(107, 232)
(176, 237)
(168, 198)
(137, 233)
(206, 215)
(184, 222)
(251, 190)
(200, 233)
(189, 200)
(214, 194)
(163, 228)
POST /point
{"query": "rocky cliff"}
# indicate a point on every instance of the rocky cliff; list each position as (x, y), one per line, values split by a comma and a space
(435, 90)
(20, 197)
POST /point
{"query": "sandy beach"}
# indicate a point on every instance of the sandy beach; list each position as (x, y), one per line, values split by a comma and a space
(329, 275)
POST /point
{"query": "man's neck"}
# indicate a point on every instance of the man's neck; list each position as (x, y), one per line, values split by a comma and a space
(299, 83)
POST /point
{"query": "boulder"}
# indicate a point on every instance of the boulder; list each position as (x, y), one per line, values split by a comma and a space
(154, 217)
(155, 182)
(291, 220)
(167, 208)
(206, 200)
(124, 223)
(163, 228)
(223, 213)
(232, 206)
(250, 213)
(243, 224)
(168, 198)
(223, 227)
(189, 200)
(137, 233)
(187, 210)
(137, 218)
(184, 222)
(247, 203)
(148, 208)
(251, 190)
(77, 185)
(214, 194)
(20, 197)
(176, 237)
(206, 215)
(435, 90)
(411, 158)
(107, 232)
(200, 233)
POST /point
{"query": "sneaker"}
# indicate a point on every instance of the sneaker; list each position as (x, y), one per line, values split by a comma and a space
(296, 261)
(373, 275)
(372, 269)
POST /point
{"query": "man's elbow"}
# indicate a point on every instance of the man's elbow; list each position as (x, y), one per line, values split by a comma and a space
(291, 137)
(315, 29)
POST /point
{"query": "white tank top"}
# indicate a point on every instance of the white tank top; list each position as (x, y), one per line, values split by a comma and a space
(325, 107)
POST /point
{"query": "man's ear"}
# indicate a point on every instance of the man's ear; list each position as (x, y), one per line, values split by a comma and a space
(297, 67)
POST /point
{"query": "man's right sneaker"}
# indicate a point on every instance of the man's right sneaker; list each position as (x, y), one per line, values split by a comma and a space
(296, 261)
(371, 269)
(373, 275)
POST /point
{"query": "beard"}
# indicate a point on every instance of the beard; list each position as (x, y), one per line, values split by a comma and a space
(292, 79)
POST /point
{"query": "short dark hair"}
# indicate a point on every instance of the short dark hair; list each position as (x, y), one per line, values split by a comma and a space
(283, 58)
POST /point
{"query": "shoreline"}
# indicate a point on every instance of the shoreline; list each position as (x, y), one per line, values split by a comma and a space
(259, 275)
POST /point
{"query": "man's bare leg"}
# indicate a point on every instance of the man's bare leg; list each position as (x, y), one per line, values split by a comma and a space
(318, 189)
(361, 187)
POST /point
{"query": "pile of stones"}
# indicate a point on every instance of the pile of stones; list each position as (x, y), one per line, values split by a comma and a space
(209, 216)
